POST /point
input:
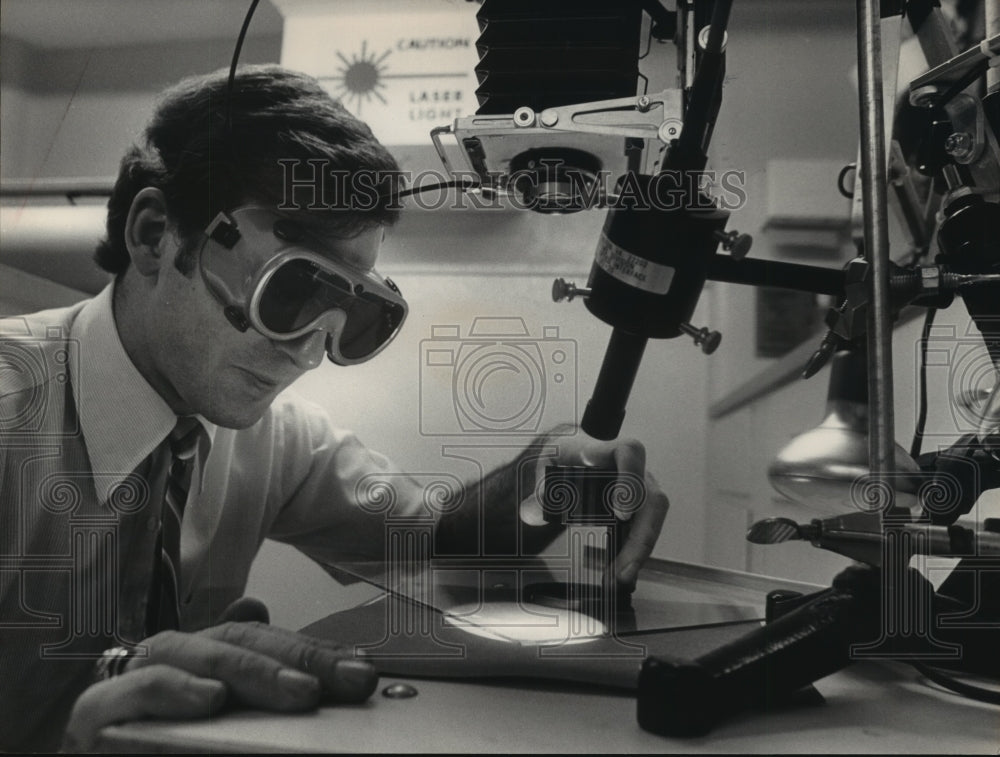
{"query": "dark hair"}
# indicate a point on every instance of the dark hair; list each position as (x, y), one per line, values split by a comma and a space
(279, 120)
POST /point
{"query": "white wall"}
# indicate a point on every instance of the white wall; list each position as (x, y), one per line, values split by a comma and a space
(787, 95)
(71, 112)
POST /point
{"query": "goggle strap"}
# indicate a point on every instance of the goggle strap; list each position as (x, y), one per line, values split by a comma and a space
(223, 230)
(236, 317)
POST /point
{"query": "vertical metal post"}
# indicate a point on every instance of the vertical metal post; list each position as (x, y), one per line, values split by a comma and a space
(904, 611)
(876, 234)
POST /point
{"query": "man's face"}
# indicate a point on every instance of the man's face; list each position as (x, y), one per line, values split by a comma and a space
(206, 365)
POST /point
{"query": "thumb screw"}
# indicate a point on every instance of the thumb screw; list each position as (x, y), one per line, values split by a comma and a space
(708, 340)
(736, 244)
(566, 290)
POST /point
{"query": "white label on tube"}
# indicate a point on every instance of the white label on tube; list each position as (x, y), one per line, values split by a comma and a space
(631, 269)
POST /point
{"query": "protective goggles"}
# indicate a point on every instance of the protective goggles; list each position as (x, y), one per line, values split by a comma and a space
(297, 290)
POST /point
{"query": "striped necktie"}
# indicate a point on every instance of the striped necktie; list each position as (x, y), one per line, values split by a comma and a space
(163, 612)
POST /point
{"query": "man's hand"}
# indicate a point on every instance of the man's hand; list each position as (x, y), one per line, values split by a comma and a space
(646, 512)
(193, 675)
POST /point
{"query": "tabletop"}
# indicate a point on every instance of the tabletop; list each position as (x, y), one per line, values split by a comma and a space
(501, 694)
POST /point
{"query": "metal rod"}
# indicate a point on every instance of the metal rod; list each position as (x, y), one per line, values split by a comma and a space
(776, 273)
(876, 234)
(688, 153)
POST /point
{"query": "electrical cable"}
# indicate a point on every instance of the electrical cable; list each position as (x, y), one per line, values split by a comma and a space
(972, 691)
(649, 38)
(463, 185)
(649, 45)
(232, 67)
(458, 184)
(918, 430)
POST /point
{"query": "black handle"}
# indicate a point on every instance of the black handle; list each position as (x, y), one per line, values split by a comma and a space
(605, 411)
(764, 667)
(687, 698)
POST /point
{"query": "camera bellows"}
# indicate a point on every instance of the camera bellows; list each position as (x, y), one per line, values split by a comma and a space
(546, 53)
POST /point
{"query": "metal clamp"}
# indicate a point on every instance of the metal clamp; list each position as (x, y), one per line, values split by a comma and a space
(647, 114)
(436, 133)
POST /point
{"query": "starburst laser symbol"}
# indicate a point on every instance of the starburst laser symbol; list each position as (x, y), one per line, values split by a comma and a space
(362, 78)
(359, 80)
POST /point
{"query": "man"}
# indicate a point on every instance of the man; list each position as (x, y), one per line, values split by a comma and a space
(152, 447)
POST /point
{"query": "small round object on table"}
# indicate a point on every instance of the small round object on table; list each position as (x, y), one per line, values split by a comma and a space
(399, 691)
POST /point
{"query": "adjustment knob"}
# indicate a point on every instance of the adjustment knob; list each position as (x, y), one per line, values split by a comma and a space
(567, 290)
(708, 340)
(736, 244)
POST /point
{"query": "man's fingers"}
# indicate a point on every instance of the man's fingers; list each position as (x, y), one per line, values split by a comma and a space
(625, 457)
(158, 691)
(644, 530)
(630, 462)
(343, 678)
(636, 499)
(623, 454)
(190, 675)
(630, 455)
(254, 678)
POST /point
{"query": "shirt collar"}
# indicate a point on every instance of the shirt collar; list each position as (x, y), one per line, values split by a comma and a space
(122, 417)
